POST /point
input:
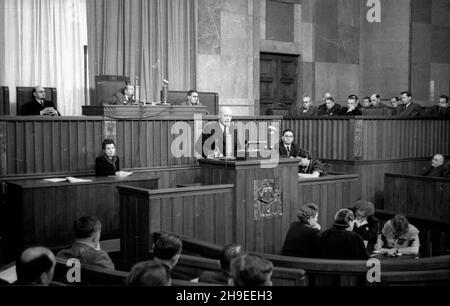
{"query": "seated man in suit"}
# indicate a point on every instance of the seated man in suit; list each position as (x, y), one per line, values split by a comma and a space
(35, 267)
(122, 97)
(442, 109)
(395, 106)
(39, 106)
(323, 107)
(438, 167)
(352, 107)
(375, 100)
(308, 167)
(287, 147)
(86, 248)
(331, 108)
(304, 108)
(409, 108)
(222, 133)
(366, 102)
(192, 98)
(230, 252)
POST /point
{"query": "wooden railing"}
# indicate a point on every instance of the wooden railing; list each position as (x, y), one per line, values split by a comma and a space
(424, 196)
(205, 212)
(40, 145)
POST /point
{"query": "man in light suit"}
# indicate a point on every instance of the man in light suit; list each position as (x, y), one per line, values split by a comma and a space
(409, 108)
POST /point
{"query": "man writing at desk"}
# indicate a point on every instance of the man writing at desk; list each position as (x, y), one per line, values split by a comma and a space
(308, 167)
(39, 106)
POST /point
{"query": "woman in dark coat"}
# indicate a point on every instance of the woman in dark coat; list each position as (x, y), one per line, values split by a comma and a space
(366, 225)
(303, 237)
(340, 242)
(108, 163)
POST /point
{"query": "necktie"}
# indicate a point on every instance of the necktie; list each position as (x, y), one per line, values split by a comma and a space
(288, 148)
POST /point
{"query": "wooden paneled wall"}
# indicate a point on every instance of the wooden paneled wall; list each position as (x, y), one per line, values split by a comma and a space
(212, 213)
(201, 211)
(372, 146)
(428, 197)
(31, 146)
(371, 138)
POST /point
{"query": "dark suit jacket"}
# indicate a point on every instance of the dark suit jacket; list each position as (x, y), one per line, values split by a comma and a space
(214, 277)
(283, 152)
(334, 111)
(301, 111)
(413, 110)
(118, 99)
(104, 167)
(355, 112)
(441, 171)
(87, 255)
(33, 108)
(220, 138)
(437, 111)
(338, 243)
(301, 241)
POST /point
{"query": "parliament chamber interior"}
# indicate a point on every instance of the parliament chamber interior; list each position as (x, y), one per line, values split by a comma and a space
(106, 107)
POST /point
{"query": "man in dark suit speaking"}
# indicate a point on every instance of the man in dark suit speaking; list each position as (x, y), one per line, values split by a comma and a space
(219, 132)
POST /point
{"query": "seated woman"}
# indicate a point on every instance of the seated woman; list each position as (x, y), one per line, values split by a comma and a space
(366, 225)
(398, 236)
(303, 237)
(308, 167)
(108, 163)
(340, 242)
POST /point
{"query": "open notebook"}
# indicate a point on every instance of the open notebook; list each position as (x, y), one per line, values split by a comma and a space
(67, 179)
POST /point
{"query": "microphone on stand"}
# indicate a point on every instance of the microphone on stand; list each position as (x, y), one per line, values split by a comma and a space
(165, 91)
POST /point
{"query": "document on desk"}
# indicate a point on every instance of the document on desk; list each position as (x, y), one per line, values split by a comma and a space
(69, 179)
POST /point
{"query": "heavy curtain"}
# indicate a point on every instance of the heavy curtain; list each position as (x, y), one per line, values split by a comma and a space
(41, 43)
(152, 40)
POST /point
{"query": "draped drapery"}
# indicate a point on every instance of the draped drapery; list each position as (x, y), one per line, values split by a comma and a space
(41, 43)
(152, 40)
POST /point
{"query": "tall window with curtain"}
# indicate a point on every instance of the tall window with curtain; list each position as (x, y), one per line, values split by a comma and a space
(152, 40)
(41, 43)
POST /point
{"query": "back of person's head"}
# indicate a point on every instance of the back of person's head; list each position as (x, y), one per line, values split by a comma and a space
(149, 273)
(229, 252)
(304, 154)
(190, 92)
(365, 206)
(344, 218)
(167, 246)
(251, 270)
(400, 224)
(107, 141)
(35, 266)
(86, 227)
(306, 212)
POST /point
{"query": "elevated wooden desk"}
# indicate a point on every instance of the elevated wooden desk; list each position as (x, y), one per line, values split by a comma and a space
(42, 212)
(135, 111)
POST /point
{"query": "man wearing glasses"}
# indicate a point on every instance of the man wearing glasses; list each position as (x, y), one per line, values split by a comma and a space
(287, 147)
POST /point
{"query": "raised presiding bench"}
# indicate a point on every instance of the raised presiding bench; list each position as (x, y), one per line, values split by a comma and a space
(144, 111)
(42, 212)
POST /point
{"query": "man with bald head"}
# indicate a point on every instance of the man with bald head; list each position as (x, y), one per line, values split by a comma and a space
(304, 108)
(35, 267)
(438, 167)
(375, 101)
(39, 106)
(219, 131)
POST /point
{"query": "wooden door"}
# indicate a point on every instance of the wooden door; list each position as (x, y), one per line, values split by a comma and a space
(278, 83)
